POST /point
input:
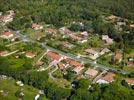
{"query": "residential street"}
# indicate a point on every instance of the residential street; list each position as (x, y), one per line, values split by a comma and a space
(82, 59)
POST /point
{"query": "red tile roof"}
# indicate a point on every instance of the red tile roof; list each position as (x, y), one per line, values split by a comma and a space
(7, 33)
(30, 54)
(129, 81)
(109, 77)
(73, 62)
(54, 55)
(50, 30)
(91, 72)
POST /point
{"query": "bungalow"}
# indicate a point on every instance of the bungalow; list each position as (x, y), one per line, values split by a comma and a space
(111, 18)
(103, 51)
(7, 35)
(107, 39)
(91, 73)
(36, 26)
(118, 56)
(75, 37)
(108, 78)
(84, 33)
(6, 19)
(78, 69)
(19, 83)
(29, 55)
(93, 54)
(129, 81)
(39, 63)
(68, 45)
(54, 56)
(131, 25)
(72, 62)
(64, 30)
(131, 60)
(50, 30)
(61, 66)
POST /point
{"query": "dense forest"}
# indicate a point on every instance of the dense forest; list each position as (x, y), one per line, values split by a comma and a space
(59, 12)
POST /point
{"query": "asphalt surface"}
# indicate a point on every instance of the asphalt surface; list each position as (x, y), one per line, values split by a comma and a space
(25, 38)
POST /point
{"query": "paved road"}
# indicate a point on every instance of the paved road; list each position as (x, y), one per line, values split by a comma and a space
(81, 59)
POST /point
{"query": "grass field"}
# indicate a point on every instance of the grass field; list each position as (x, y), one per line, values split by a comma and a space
(10, 86)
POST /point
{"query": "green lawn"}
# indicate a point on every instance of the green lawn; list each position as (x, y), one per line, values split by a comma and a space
(10, 86)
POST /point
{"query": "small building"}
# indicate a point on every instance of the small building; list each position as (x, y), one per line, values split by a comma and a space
(107, 39)
(68, 45)
(72, 62)
(30, 54)
(121, 23)
(104, 37)
(7, 35)
(93, 54)
(129, 81)
(77, 70)
(111, 18)
(103, 51)
(75, 37)
(8, 17)
(64, 30)
(19, 83)
(91, 73)
(36, 26)
(39, 63)
(106, 79)
(118, 56)
(50, 30)
(84, 33)
(131, 25)
(61, 66)
(54, 56)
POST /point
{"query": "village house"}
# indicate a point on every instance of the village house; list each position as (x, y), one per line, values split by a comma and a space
(8, 17)
(7, 35)
(77, 70)
(121, 23)
(30, 54)
(106, 79)
(131, 25)
(67, 45)
(19, 83)
(131, 60)
(0, 13)
(61, 66)
(93, 54)
(104, 50)
(85, 34)
(75, 37)
(36, 26)
(50, 30)
(3, 53)
(111, 18)
(91, 73)
(118, 56)
(39, 63)
(64, 30)
(54, 56)
(72, 62)
(107, 39)
(129, 81)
